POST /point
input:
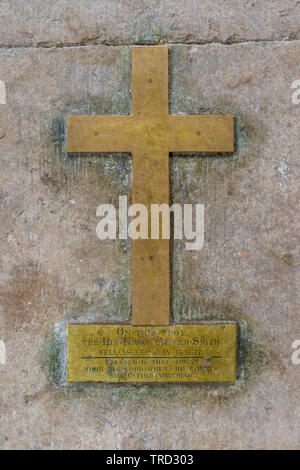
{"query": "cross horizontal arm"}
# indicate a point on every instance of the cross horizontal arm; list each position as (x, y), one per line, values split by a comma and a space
(100, 133)
(201, 133)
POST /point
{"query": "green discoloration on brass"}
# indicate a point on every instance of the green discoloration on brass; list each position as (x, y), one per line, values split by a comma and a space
(53, 359)
(253, 359)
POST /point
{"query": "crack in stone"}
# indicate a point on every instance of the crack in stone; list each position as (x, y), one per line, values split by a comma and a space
(89, 42)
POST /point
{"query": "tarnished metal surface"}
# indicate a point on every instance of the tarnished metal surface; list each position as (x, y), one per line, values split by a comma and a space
(150, 133)
(121, 353)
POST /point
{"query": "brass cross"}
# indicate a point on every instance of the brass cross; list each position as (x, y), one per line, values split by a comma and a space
(150, 133)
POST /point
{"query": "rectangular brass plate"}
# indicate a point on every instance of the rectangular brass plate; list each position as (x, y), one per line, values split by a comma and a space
(176, 353)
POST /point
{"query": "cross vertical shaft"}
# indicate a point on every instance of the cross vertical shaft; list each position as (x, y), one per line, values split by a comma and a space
(150, 258)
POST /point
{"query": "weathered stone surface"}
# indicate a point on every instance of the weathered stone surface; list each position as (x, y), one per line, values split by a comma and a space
(120, 22)
(55, 270)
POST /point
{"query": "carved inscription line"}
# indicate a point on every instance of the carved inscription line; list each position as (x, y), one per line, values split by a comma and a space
(152, 357)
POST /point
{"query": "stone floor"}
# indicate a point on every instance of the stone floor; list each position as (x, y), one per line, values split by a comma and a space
(225, 57)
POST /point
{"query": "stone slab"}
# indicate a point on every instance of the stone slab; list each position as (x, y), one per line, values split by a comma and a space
(55, 271)
(40, 23)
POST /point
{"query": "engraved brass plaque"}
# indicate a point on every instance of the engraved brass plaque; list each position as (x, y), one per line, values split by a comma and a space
(176, 353)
